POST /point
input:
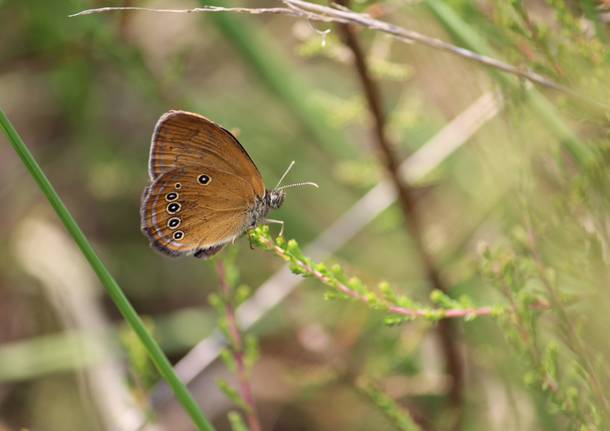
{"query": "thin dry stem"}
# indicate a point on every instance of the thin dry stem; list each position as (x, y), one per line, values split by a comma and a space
(320, 13)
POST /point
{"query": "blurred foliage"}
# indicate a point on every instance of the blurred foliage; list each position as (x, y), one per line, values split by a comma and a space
(143, 374)
(399, 417)
(518, 217)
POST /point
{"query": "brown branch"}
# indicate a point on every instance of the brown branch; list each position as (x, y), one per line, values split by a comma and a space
(446, 328)
(320, 13)
(237, 350)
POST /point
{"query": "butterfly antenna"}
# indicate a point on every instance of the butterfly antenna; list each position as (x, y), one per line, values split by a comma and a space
(306, 183)
(284, 175)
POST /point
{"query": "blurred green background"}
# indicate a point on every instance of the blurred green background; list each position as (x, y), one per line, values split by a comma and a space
(85, 93)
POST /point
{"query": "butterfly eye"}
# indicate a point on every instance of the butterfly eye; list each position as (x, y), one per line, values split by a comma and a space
(173, 223)
(203, 179)
(178, 235)
(178, 186)
(173, 208)
(171, 196)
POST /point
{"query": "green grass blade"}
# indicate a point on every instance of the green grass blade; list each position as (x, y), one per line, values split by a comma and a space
(113, 289)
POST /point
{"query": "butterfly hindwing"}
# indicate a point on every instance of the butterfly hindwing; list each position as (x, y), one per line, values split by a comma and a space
(206, 253)
(195, 210)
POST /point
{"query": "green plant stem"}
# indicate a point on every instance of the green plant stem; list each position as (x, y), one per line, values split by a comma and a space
(111, 286)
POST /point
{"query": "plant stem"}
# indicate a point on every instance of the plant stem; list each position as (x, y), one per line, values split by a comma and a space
(446, 329)
(238, 350)
(439, 313)
(111, 286)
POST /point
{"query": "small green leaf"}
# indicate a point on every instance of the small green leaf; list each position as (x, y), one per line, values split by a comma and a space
(321, 268)
(236, 421)
(434, 314)
(330, 295)
(231, 393)
(216, 301)
(297, 269)
(227, 357)
(292, 248)
(242, 293)
(251, 350)
(356, 285)
(444, 300)
(400, 417)
(394, 320)
(338, 274)
(406, 302)
(551, 363)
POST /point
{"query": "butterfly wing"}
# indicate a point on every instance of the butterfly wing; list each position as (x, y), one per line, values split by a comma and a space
(182, 216)
(182, 139)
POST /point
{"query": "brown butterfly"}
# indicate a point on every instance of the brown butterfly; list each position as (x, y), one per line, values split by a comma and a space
(205, 190)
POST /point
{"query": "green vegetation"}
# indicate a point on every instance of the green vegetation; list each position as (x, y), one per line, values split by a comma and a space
(476, 298)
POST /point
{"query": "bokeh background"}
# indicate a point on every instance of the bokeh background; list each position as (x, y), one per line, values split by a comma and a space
(85, 93)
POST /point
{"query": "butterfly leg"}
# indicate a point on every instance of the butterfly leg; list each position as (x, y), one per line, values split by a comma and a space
(250, 241)
(270, 220)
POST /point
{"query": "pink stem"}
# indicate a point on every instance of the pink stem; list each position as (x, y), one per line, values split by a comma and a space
(238, 352)
(409, 312)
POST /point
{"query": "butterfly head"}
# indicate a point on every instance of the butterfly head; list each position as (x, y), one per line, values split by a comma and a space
(275, 198)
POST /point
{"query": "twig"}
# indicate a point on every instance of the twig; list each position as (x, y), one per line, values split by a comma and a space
(412, 313)
(315, 12)
(238, 351)
(446, 329)
(251, 11)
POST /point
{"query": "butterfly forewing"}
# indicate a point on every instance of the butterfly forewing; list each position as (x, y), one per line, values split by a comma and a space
(181, 216)
(184, 139)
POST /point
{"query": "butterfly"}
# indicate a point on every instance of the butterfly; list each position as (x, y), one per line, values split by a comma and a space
(205, 191)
